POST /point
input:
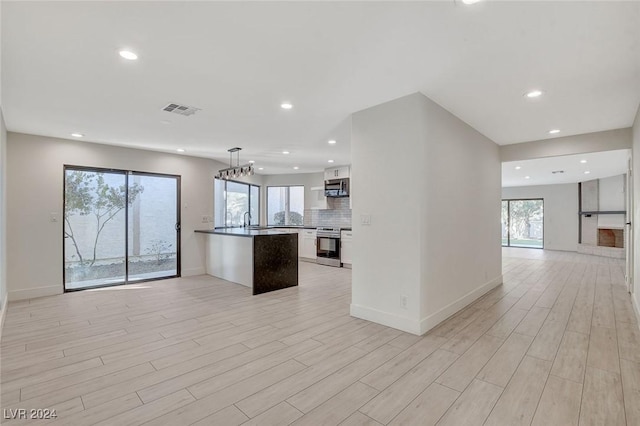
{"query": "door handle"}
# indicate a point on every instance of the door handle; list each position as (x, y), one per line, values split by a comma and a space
(177, 227)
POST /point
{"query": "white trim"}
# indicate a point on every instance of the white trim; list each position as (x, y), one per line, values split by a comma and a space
(436, 318)
(386, 318)
(3, 314)
(636, 308)
(32, 293)
(421, 327)
(192, 272)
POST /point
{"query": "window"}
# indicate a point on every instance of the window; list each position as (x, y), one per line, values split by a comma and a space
(233, 200)
(285, 205)
(523, 223)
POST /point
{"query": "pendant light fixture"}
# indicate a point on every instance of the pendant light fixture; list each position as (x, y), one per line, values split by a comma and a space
(233, 172)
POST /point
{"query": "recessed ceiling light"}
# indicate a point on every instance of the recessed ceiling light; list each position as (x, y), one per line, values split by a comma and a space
(533, 93)
(329, 161)
(470, 1)
(587, 172)
(554, 131)
(77, 135)
(518, 167)
(180, 150)
(286, 105)
(583, 161)
(251, 161)
(165, 122)
(527, 177)
(127, 54)
(285, 152)
(332, 142)
(260, 168)
(296, 168)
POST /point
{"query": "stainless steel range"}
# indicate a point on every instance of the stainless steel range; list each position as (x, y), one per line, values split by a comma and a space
(328, 246)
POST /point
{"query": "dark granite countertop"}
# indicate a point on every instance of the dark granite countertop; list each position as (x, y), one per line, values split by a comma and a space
(241, 232)
(251, 232)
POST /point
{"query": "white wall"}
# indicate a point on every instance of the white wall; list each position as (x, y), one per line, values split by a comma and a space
(3, 216)
(387, 254)
(35, 188)
(462, 244)
(434, 236)
(636, 211)
(611, 198)
(560, 212)
(608, 140)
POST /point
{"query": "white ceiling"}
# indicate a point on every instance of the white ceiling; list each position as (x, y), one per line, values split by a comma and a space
(598, 164)
(238, 61)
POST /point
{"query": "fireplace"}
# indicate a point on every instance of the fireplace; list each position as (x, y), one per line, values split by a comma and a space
(610, 237)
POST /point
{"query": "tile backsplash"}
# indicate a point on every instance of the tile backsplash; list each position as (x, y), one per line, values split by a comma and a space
(337, 215)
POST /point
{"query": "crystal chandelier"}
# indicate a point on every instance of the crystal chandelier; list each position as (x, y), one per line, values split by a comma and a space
(236, 171)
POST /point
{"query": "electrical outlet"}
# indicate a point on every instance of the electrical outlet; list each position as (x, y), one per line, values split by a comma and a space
(365, 219)
(404, 301)
(205, 219)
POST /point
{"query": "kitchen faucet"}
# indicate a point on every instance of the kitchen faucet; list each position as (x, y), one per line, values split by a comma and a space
(244, 219)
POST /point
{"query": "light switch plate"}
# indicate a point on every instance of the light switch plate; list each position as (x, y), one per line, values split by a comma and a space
(365, 219)
(53, 217)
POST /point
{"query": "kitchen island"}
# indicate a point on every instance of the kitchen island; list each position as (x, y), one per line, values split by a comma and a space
(262, 259)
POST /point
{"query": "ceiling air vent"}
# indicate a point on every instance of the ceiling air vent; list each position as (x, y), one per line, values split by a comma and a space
(557, 171)
(181, 109)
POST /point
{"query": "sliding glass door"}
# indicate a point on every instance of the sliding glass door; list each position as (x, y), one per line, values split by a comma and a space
(523, 223)
(152, 230)
(119, 226)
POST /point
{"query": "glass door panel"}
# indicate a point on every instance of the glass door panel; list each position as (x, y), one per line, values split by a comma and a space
(525, 223)
(94, 228)
(152, 231)
(505, 223)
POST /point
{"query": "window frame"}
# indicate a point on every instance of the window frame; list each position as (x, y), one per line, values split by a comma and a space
(288, 198)
(508, 200)
(249, 185)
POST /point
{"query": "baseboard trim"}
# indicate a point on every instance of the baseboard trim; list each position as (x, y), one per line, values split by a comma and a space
(385, 318)
(3, 314)
(436, 318)
(421, 327)
(32, 293)
(636, 308)
(192, 272)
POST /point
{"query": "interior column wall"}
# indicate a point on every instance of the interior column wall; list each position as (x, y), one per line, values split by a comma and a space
(387, 148)
(433, 246)
(461, 255)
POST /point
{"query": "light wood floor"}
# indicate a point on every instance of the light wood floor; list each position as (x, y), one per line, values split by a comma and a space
(557, 344)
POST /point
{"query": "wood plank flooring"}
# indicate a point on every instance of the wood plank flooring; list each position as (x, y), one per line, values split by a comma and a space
(556, 344)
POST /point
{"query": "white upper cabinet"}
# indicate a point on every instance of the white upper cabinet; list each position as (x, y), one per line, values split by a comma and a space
(318, 200)
(337, 173)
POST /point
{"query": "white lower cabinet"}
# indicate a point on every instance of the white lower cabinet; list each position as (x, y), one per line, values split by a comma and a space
(346, 245)
(307, 243)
